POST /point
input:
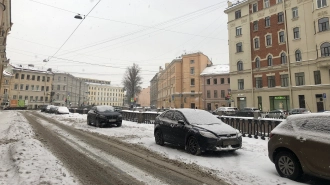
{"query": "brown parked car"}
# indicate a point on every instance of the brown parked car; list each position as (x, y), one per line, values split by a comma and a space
(301, 144)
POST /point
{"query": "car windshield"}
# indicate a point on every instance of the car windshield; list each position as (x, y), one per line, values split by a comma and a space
(105, 109)
(200, 117)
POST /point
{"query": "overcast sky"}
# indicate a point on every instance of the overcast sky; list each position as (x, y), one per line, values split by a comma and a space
(116, 34)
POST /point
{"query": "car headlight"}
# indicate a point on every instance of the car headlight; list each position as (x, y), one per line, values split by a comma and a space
(208, 134)
(238, 133)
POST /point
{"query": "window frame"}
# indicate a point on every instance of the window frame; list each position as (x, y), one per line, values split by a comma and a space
(284, 80)
(255, 25)
(192, 82)
(254, 7)
(267, 21)
(280, 17)
(300, 78)
(238, 30)
(268, 40)
(295, 12)
(317, 77)
(271, 82)
(266, 3)
(258, 81)
(240, 66)
(239, 47)
(281, 37)
(257, 61)
(296, 33)
(325, 49)
(323, 24)
(297, 55)
(240, 83)
(321, 3)
(269, 60)
(238, 14)
(256, 43)
(283, 58)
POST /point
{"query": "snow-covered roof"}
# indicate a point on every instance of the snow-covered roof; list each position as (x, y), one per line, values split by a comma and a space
(29, 68)
(6, 73)
(216, 69)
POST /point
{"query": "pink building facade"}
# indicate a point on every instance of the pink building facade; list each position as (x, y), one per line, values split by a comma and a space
(216, 86)
(144, 97)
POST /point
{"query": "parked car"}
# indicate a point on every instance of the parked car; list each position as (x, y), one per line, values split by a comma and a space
(278, 114)
(301, 144)
(43, 108)
(52, 109)
(299, 111)
(48, 108)
(227, 111)
(62, 110)
(196, 130)
(103, 115)
(247, 112)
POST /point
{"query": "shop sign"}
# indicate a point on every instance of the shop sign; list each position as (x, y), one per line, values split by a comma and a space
(279, 97)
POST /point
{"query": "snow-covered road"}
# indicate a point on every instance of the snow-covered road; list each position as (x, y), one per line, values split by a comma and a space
(250, 165)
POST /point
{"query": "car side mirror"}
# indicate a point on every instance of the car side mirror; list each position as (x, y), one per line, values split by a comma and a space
(181, 122)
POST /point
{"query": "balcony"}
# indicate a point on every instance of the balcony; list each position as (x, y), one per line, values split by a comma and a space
(323, 62)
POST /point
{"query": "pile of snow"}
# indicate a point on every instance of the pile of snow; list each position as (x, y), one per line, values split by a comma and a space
(23, 159)
(249, 165)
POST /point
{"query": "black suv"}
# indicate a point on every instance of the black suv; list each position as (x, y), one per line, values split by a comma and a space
(103, 115)
(247, 112)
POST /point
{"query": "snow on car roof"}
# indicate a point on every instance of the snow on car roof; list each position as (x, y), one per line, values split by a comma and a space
(199, 116)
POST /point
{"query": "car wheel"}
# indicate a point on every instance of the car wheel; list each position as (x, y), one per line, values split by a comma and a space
(119, 124)
(159, 138)
(288, 166)
(193, 146)
(88, 121)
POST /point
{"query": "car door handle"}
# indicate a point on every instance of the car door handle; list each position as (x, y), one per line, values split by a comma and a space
(301, 139)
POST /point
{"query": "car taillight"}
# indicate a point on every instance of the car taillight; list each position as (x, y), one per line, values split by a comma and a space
(271, 135)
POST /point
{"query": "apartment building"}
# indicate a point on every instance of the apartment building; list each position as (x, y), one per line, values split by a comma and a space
(68, 90)
(90, 80)
(143, 97)
(105, 94)
(216, 86)
(25, 82)
(154, 91)
(6, 24)
(279, 54)
(180, 84)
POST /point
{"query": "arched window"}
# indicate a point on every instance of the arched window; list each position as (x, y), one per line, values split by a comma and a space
(16, 76)
(283, 58)
(325, 49)
(298, 55)
(257, 62)
(239, 66)
(270, 60)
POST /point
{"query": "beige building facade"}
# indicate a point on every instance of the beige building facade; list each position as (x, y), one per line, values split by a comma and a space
(144, 97)
(180, 84)
(280, 54)
(104, 94)
(6, 24)
(26, 83)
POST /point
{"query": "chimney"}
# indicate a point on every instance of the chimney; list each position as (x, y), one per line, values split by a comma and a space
(229, 3)
(49, 69)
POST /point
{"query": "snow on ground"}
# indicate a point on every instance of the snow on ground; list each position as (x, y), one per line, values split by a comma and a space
(23, 159)
(249, 165)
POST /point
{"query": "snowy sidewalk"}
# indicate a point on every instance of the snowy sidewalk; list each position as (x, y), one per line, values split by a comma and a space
(23, 159)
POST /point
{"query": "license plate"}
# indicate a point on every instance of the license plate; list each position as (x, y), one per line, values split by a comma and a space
(112, 120)
(230, 142)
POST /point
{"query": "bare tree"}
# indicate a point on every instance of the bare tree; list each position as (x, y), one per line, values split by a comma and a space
(132, 81)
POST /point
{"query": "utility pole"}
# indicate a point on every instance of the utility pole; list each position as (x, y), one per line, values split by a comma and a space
(79, 94)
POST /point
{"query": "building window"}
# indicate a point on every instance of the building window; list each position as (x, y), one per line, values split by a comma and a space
(268, 40)
(323, 24)
(59, 78)
(41, 98)
(255, 26)
(57, 97)
(6, 82)
(281, 36)
(26, 87)
(240, 84)
(222, 80)
(239, 47)
(317, 77)
(296, 33)
(38, 78)
(298, 55)
(192, 81)
(300, 78)
(47, 88)
(208, 81)
(215, 93)
(48, 79)
(28, 77)
(256, 43)
(31, 98)
(238, 14)
(257, 62)
(192, 70)
(32, 87)
(325, 49)
(46, 99)
(16, 76)
(22, 76)
(285, 80)
(222, 93)
(255, 7)
(33, 77)
(259, 82)
(21, 87)
(43, 78)
(238, 31)
(267, 21)
(16, 86)
(279, 1)
(271, 81)
(321, 3)
(14, 97)
(270, 60)
(215, 81)
(36, 98)
(228, 80)
(42, 88)
(266, 3)
(283, 58)
(58, 87)
(192, 61)
(64, 78)
(208, 94)
(37, 87)
(64, 88)
(26, 98)
(280, 17)
(20, 97)
(239, 66)
(294, 12)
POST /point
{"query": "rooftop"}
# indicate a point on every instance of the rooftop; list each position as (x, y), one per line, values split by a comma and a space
(216, 69)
